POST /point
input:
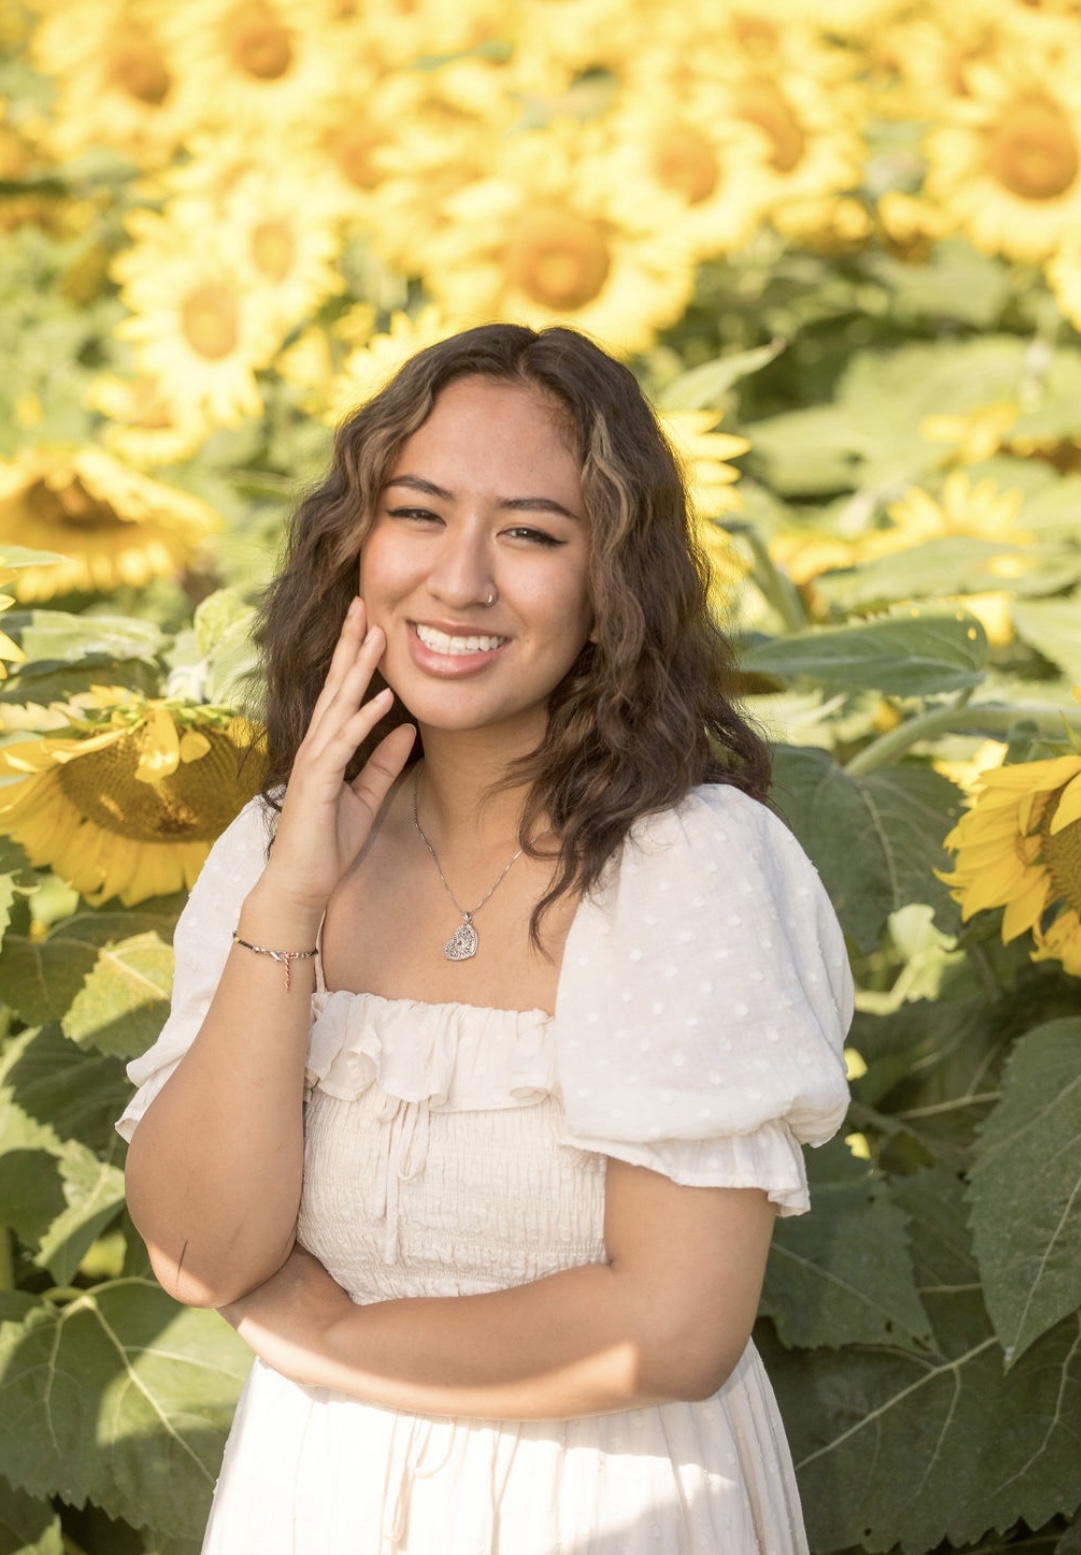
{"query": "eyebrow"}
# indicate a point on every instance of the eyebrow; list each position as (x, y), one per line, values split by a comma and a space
(511, 504)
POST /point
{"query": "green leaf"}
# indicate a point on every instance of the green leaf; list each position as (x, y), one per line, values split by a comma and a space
(893, 1448)
(40, 979)
(94, 1193)
(124, 999)
(1054, 627)
(875, 840)
(843, 1274)
(121, 1397)
(915, 654)
(27, 1526)
(955, 564)
(1026, 1189)
(957, 282)
(703, 387)
(51, 636)
(75, 1094)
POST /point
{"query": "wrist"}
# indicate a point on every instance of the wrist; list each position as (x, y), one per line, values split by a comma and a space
(270, 916)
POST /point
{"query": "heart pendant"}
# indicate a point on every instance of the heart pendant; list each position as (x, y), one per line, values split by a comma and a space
(462, 943)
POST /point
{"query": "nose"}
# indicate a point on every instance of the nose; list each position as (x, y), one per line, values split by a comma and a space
(462, 570)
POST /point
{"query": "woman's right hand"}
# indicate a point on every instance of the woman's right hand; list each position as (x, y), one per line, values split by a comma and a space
(325, 821)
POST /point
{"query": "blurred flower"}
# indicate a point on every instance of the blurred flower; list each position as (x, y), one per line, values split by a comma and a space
(112, 524)
(200, 329)
(1006, 153)
(969, 774)
(264, 64)
(128, 799)
(117, 79)
(911, 226)
(545, 239)
(9, 651)
(980, 510)
(1019, 847)
(144, 428)
(711, 490)
(976, 436)
(371, 367)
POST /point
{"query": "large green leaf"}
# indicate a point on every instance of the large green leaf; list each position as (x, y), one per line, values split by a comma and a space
(957, 564)
(49, 636)
(125, 997)
(915, 654)
(40, 979)
(896, 1448)
(94, 1195)
(876, 840)
(27, 1526)
(843, 1274)
(705, 386)
(76, 1094)
(1054, 627)
(1026, 1189)
(122, 1397)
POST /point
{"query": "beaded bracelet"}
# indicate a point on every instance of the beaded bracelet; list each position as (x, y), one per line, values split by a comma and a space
(286, 957)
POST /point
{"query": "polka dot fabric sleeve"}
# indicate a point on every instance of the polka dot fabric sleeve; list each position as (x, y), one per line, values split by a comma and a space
(202, 942)
(704, 1001)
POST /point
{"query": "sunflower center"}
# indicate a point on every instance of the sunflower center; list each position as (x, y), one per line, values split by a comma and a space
(558, 258)
(755, 34)
(685, 161)
(354, 153)
(273, 248)
(1061, 852)
(135, 66)
(762, 104)
(1033, 152)
(209, 321)
(194, 804)
(259, 44)
(72, 506)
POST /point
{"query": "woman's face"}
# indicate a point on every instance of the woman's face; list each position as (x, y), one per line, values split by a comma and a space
(476, 563)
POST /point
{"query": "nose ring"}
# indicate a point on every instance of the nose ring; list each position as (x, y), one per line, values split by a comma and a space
(491, 598)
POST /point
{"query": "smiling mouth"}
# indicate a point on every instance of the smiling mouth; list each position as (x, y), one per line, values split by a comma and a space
(442, 642)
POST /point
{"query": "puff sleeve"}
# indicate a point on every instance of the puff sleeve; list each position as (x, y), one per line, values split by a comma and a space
(201, 943)
(703, 1003)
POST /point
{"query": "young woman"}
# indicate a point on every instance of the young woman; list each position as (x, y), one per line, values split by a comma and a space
(476, 1126)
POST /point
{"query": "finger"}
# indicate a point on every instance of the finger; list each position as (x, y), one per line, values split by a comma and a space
(383, 767)
(351, 635)
(336, 739)
(339, 701)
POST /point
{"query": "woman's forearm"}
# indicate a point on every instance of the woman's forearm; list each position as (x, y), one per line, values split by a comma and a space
(585, 1341)
(214, 1168)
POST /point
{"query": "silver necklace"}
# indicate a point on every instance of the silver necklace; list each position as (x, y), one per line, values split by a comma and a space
(463, 942)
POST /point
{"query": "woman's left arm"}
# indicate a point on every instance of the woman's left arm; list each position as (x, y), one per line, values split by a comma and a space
(667, 1318)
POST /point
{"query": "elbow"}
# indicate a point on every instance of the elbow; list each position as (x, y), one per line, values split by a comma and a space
(688, 1368)
(192, 1286)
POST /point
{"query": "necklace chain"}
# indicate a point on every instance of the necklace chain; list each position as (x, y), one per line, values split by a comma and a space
(463, 942)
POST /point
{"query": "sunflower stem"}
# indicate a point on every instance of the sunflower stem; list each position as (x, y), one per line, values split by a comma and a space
(990, 717)
(776, 587)
(7, 1260)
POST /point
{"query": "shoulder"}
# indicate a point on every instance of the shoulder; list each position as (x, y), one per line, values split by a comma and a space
(716, 837)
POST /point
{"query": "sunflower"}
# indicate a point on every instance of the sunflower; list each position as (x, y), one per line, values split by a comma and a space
(398, 148)
(976, 436)
(116, 76)
(127, 798)
(144, 427)
(1006, 156)
(274, 219)
(262, 64)
(371, 366)
(396, 35)
(980, 510)
(112, 524)
(701, 171)
(1019, 847)
(711, 491)
(200, 330)
(548, 239)
(9, 651)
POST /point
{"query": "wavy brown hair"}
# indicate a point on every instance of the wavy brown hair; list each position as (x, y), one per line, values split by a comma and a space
(642, 715)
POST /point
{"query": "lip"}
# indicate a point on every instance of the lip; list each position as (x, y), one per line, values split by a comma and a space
(452, 665)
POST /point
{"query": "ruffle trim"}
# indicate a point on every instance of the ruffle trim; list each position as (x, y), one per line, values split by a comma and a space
(456, 1057)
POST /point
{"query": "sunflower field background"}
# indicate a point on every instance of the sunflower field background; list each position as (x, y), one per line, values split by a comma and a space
(850, 231)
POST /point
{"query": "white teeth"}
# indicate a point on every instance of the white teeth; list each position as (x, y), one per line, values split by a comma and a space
(441, 642)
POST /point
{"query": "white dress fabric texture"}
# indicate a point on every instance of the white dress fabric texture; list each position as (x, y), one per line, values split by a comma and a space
(450, 1150)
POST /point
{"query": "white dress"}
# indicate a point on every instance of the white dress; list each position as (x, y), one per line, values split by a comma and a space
(702, 1005)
